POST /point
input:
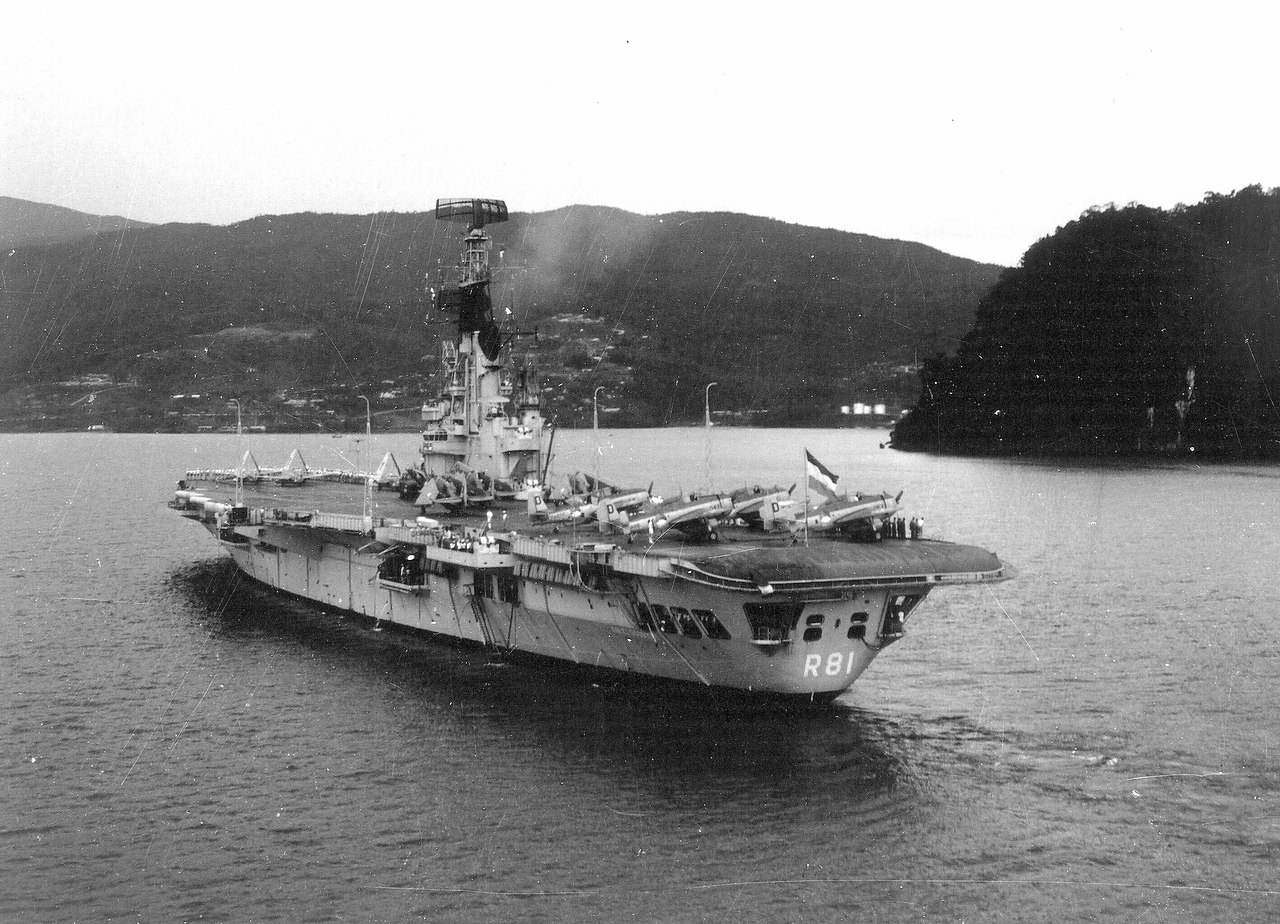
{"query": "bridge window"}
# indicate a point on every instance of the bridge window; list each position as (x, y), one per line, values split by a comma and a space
(814, 619)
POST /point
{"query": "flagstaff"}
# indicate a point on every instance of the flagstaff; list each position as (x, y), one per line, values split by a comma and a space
(807, 457)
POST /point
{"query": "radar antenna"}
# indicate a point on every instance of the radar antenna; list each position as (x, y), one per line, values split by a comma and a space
(476, 212)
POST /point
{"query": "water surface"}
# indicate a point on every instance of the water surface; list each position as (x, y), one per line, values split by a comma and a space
(1097, 738)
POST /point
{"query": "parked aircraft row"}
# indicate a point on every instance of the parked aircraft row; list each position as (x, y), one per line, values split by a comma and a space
(635, 511)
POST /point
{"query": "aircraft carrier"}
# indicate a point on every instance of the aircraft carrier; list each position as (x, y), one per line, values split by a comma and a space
(754, 589)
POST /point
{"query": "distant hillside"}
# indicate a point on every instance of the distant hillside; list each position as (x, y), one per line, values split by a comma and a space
(790, 321)
(23, 223)
(1130, 330)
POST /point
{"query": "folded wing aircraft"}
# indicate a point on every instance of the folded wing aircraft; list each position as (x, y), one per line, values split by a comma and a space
(751, 503)
(585, 508)
(693, 515)
(849, 514)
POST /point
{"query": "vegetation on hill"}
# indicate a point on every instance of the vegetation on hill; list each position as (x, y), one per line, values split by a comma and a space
(23, 223)
(289, 313)
(1129, 330)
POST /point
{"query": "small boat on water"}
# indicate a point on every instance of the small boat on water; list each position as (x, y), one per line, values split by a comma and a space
(750, 590)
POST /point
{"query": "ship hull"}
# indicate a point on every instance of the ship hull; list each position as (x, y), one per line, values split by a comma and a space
(547, 610)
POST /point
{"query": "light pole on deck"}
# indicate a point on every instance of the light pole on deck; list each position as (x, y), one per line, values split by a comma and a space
(595, 427)
(239, 499)
(710, 486)
(368, 479)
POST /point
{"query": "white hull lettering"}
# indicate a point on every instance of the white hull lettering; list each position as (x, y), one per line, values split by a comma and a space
(836, 664)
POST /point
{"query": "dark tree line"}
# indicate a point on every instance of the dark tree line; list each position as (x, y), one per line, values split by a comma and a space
(1129, 330)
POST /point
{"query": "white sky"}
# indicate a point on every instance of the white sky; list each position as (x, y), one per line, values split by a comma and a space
(974, 127)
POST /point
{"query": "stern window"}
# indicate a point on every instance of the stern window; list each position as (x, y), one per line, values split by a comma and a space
(644, 617)
(403, 567)
(902, 604)
(684, 619)
(772, 622)
(895, 614)
(711, 623)
(665, 622)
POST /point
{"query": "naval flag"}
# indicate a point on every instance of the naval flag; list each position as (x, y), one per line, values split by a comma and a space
(821, 478)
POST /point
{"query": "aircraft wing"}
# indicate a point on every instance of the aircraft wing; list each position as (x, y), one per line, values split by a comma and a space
(881, 505)
(691, 517)
(539, 513)
(627, 503)
(750, 506)
(848, 514)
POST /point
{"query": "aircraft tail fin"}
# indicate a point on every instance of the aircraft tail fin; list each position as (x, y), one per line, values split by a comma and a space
(776, 514)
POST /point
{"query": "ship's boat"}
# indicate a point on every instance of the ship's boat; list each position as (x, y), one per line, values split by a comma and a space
(751, 590)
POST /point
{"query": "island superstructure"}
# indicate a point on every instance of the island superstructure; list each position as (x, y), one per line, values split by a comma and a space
(487, 418)
(752, 590)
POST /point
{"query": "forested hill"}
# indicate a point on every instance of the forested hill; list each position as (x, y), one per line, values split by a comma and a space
(1131, 329)
(23, 223)
(786, 319)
